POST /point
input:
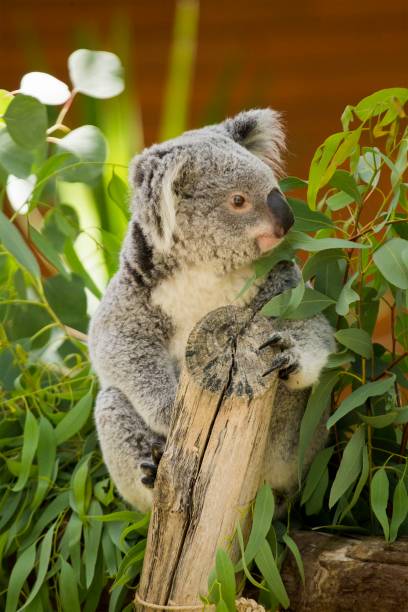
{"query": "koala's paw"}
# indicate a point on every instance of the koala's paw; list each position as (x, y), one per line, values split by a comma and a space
(149, 468)
(298, 364)
(287, 362)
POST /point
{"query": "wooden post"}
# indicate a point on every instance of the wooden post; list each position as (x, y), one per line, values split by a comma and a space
(213, 462)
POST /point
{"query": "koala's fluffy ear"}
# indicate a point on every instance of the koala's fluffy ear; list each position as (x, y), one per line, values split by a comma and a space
(154, 198)
(261, 132)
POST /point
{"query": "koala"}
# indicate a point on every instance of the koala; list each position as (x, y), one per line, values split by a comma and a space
(205, 206)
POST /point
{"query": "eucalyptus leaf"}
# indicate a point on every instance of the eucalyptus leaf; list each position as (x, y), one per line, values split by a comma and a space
(14, 243)
(379, 492)
(14, 159)
(89, 150)
(359, 397)
(98, 74)
(26, 121)
(46, 88)
(347, 297)
(350, 466)
(391, 261)
(344, 181)
(399, 508)
(357, 340)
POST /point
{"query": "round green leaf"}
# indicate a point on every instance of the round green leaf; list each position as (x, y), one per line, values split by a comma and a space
(14, 159)
(46, 88)
(26, 120)
(88, 148)
(98, 74)
(390, 259)
(5, 99)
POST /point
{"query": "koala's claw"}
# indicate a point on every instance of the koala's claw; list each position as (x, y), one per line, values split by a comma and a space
(286, 363)
(277, 339)
(150, 469)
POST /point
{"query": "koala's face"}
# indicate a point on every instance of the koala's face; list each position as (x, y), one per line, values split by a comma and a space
(212, 195)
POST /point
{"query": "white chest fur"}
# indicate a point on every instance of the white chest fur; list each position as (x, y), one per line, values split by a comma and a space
(191, 293)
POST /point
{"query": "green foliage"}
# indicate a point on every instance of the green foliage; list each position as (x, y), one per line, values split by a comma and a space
(66, 541)
(357, 262)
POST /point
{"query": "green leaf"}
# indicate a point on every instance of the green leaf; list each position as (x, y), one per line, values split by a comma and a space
(380, 421)
(307, 220)
(315, 472)
(46, 249)
(344, 181)
(30, 437)
(226, 578)
(21, 570)
(26, 120)
(379, 499)
(261, 524)
(14, 159)
(357, 340)
(80, 487)
(315, 503)
(312, 303)
(119, 193)
(350, 466)
(43, 562)
(380, 101)
(365, 470)
(300, 241)
(68, 300)
(316, 261)
(269, 570)
(75, 419)
(399, 509)
(291, 544)
(360, 396)
(402, 415)
(98, 74)
(369, 166)
(328, 157)
(68, 588)
(92, 538)
(391, 261)
(347, 297)
(316, 406)
(339, 200)
(46, 88)
(5, 99)
(46, 452)
(14, 243)
(289, 183)
(88, 147)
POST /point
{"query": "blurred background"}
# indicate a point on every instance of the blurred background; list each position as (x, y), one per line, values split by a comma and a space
(189, 63)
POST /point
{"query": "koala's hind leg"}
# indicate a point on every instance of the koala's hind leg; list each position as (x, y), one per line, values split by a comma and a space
(130, 449)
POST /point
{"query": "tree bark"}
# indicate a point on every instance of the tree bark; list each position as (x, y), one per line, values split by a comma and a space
(343, 574)
(212, 465)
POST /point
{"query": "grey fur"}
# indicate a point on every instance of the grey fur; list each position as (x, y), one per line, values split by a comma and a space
(185, 253)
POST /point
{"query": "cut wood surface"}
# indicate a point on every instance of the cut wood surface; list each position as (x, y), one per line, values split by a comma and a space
(212, 465)
(345, 574)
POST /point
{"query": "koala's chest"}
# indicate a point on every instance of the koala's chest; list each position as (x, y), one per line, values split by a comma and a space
(190, 294)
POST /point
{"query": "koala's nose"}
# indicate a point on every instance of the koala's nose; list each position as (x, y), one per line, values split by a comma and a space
(281, 211)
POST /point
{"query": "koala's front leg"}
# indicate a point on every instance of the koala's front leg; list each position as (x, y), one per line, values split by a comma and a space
(304, 349)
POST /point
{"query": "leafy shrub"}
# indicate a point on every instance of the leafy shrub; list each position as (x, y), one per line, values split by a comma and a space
(356, 207)
(65, 538)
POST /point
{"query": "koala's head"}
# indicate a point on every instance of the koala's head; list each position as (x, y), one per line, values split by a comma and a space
(212, 195)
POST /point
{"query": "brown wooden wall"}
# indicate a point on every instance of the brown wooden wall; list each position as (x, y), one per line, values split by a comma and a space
(308, 59)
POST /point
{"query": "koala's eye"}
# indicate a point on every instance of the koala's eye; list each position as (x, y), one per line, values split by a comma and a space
(239, 203)
(238, 200)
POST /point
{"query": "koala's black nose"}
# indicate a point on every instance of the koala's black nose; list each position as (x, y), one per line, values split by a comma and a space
(281, 211)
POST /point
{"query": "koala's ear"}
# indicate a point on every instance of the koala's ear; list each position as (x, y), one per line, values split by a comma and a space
(261, 132)
(154, 198)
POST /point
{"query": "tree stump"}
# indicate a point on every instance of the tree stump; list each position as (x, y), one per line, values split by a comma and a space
(344, 574)
(212, 466)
